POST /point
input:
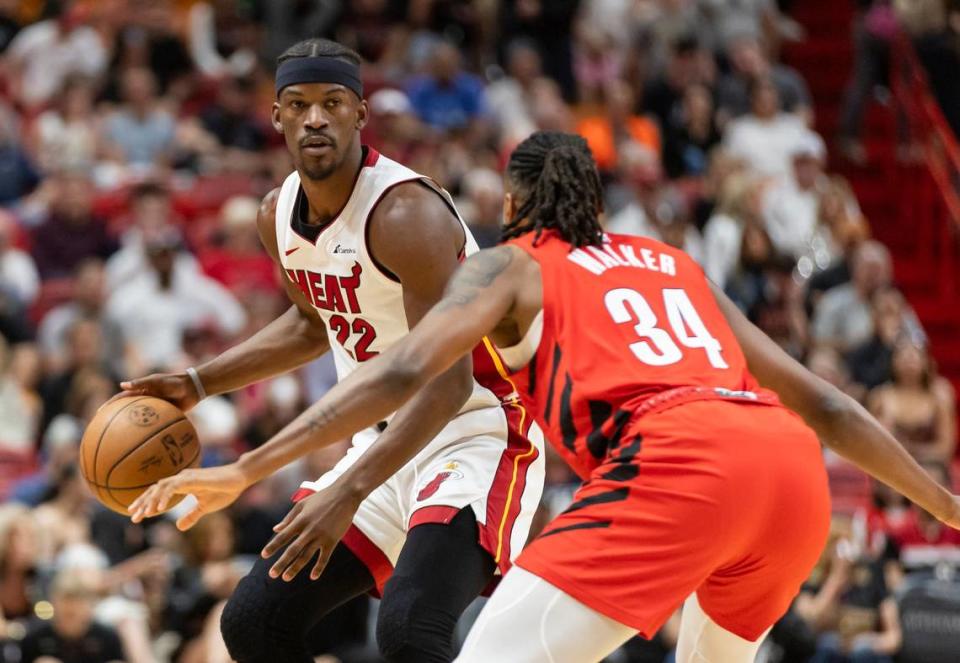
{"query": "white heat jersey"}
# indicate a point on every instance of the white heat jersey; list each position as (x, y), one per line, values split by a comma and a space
(361, 305)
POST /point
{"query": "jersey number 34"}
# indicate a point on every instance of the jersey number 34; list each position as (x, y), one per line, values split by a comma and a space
(657, 347)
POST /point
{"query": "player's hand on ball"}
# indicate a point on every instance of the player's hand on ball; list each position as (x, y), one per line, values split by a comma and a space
(215, 488)
(314, 524)
(176, 388)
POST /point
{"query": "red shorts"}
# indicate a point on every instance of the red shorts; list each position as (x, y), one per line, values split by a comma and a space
(725, 499)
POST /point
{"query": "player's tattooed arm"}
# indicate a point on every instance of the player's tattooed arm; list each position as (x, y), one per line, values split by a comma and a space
(477, 274)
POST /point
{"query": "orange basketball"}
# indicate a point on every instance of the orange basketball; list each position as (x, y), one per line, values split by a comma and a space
(131, 444)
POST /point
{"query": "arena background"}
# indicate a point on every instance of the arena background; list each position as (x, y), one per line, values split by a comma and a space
(803, 151)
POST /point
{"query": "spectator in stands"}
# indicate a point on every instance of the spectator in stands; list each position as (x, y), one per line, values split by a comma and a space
(20, 408)
(597, 63)
(86, 360)
(766, 138)
(843, 317)
(395, 129)
(739, 203)
(664, 93)
(791, 206)
(44, 54)
(873, 28)
(749, 65)
(222, 38)
(549, 109)
(61, 444)
(654, 210)
(63, 517)
(635, 192)
(619, 125)
(155, 308)
(232, 119)
(920, 543)
(69, 232)
(72, 635)
(151, 209)
(917, 407)
(870, 363)
(841, 229)
(18, 561)
(482, 207)
(447, 97)
(140, 132)
(732, 20)
(148, 39)
(688, 143)
(208, 577)
(550, 26)
(87, 301)
(369, 27)
(848, 604)
(65, 136)
(238, 260)
(510, 98)
(18, 272)
(18, 176)
(762, 286)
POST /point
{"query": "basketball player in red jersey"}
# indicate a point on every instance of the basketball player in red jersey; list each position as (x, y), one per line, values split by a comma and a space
(698, 482)
(437, 496)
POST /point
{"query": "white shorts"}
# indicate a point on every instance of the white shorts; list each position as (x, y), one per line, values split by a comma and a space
(489, 459)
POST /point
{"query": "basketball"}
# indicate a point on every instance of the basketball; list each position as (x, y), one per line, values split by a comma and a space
(131, 444)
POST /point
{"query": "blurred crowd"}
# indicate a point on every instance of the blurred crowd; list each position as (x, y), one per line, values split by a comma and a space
(135, 143)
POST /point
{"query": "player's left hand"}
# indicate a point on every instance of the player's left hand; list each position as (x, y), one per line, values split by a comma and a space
(316, 523)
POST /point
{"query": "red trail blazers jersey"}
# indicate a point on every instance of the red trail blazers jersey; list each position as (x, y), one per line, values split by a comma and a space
(628, 327)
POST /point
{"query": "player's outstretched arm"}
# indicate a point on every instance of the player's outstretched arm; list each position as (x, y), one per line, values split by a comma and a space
(840, 422)
(480, 295)
(291, 340)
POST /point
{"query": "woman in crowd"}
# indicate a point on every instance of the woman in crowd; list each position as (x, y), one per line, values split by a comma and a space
(917, 405)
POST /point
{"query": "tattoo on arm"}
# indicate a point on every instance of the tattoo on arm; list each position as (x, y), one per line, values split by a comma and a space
(321, 418)
(477, 273)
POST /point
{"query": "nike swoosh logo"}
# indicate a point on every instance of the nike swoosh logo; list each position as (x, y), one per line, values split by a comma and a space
(289, 251)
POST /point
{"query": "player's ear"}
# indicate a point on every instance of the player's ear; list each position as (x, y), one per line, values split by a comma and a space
(275, 117)
(509, 207)
(363, 114)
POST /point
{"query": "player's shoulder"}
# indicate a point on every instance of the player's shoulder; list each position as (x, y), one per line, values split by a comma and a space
(412, 216)
(411, 202)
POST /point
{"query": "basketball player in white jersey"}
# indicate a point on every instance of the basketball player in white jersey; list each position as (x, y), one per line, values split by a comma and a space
(433, 501)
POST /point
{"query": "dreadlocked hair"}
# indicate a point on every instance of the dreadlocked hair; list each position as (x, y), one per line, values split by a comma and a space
(555, 176)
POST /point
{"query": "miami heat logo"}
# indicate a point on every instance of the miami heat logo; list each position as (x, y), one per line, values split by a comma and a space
(143, 415)
(449, 471)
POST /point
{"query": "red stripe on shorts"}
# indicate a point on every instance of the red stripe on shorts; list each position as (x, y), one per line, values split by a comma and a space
(366, 550)
(437, 513)
(519, 454)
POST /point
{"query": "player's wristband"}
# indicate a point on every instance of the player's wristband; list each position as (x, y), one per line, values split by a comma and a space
(201, 392)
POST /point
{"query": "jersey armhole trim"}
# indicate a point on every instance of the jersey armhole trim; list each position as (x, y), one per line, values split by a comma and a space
(366, 225)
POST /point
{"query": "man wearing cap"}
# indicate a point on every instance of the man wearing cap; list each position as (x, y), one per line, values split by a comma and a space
(428, 504)
(791, 207)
